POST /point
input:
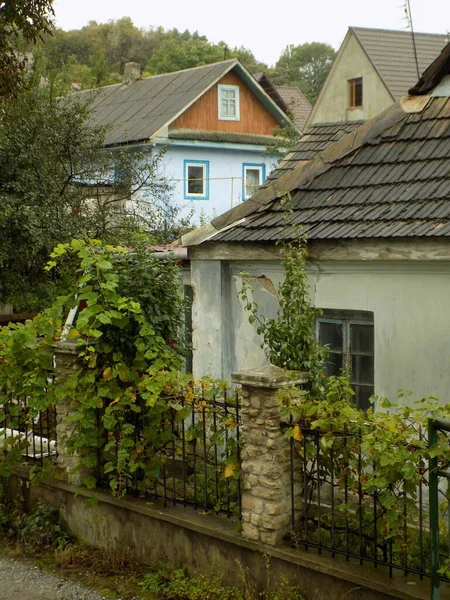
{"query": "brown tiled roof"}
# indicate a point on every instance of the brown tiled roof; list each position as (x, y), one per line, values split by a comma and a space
(388, 178)
(317, 137)
(299, 107)
(223, 136)
(392, 55)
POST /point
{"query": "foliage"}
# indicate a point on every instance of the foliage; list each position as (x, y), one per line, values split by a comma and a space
(96, 54)
(131, 375)
(305, 66)
(57, 183)
(175, 55)
(375, 466)
(40, 530)
(20, 19)
(289, 339)
(175, 584)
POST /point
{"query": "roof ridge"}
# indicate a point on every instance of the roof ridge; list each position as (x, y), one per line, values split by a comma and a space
(403, 31)
(219, 62)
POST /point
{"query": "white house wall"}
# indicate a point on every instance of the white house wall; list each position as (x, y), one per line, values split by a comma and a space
(225, 176)
(409, 301)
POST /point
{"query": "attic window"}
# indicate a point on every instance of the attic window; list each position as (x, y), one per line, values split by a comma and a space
(228, 96)
(355, 93)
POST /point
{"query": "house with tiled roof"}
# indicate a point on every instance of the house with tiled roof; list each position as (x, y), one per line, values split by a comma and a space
(289, 98)
(375, 207)
(215, 123)
(373, 69)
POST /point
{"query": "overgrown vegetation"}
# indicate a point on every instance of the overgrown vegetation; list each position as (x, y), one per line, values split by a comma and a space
(130, 396)
(57, 182)
(175, 584)
(289, 339)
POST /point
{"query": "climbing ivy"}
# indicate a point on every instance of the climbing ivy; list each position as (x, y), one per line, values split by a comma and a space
(289, 338)
(131, 366)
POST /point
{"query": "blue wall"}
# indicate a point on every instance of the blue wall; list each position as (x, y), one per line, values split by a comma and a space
(225, 176)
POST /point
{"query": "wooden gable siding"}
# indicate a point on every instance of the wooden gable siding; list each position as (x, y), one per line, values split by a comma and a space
(203, 114)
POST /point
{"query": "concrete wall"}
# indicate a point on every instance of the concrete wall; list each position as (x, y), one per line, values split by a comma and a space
(333, 103)
(409, 300)
(210, 545)
(225, 173)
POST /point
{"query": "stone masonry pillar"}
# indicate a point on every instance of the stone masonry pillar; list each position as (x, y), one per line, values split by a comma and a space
(68, 465)
(265, 468)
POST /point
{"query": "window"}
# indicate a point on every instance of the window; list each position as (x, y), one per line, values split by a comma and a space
(228, 96)
(350, 337)
(196, 179)
(253, 177)
(355, 92)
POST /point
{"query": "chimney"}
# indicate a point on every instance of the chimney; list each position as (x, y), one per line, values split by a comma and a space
(131, 72)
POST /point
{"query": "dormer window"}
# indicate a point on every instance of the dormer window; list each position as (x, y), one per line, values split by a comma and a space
(228, 102)
(355, 93)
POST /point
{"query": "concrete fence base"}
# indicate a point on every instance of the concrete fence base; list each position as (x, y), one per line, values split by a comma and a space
(210, 545)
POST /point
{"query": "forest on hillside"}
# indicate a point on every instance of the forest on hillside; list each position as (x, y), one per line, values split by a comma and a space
(95, 55)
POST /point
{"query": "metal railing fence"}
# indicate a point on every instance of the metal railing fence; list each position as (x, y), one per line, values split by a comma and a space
(334, 513)
(190, 457)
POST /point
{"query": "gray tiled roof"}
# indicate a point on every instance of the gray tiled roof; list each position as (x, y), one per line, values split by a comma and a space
(316, 138)
(392, 54)
(299, 107)
(388, 178)
(134, 111)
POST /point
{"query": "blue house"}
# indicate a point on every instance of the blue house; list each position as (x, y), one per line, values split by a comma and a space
(216, 123)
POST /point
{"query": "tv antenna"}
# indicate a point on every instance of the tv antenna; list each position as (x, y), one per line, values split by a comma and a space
(410, 25)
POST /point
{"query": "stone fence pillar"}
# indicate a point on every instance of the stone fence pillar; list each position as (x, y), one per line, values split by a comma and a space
(68, 465)
(265, 468)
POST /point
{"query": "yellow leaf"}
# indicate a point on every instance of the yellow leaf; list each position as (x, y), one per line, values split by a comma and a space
(73, 333)
(229, 471)
(107, 374)
(230, 423)
(298, 435)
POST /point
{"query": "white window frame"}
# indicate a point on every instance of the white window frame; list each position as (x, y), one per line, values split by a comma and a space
(203, 164)
(222, 88)
(251, 167)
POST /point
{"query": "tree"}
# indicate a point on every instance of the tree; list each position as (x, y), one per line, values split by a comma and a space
(26, 19)
(58, 182)
(175, 55)
(305, 66)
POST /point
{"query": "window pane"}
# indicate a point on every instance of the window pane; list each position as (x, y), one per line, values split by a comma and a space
(333, 364)
(331, 334)
(195, 180)
(362, 369)
(358, 92)
(252, 181)
(224, 108)
(361, 338)
(231, 108)
(362, 395)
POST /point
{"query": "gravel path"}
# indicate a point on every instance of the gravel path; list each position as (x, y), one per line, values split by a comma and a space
(20, 581)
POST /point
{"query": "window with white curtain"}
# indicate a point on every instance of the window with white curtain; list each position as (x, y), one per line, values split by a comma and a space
(228, 96)
(253, 178)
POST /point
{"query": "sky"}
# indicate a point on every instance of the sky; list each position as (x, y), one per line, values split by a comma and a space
(263, 26)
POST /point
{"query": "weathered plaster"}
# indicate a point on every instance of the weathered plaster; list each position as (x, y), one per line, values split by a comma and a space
(409, 300)
(352, 62)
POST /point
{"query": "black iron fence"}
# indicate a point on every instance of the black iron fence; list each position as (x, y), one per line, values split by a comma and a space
(29, 431)
(334, 513)
(188, 456)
